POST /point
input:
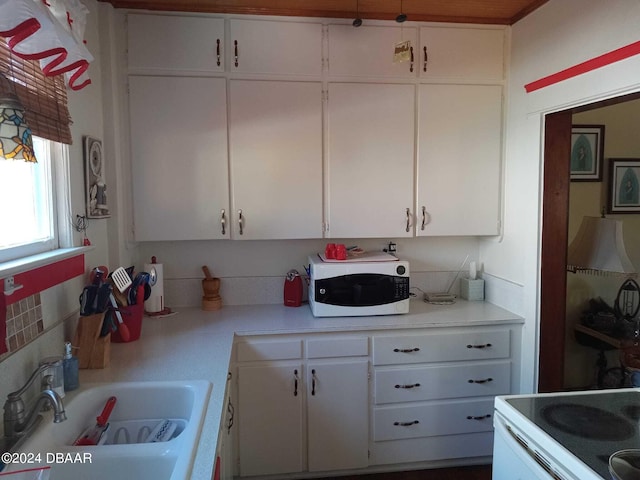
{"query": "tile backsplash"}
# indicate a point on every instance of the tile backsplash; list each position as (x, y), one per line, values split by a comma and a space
(24, 322)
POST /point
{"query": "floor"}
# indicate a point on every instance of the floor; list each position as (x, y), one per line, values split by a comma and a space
(459, 473)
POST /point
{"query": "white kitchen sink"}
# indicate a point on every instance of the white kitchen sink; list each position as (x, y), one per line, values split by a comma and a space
(138, 403)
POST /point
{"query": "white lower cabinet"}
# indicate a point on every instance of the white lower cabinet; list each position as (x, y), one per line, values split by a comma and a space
(434, 392)
(270, 430)
(305, 403)
(304, 414)
(225, 457)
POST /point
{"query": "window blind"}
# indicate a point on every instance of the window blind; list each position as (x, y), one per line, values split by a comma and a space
(44, 97)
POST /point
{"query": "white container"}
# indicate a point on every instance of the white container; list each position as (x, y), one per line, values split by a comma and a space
(472, 290)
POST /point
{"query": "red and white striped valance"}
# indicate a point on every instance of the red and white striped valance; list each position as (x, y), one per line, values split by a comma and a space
(51, 31)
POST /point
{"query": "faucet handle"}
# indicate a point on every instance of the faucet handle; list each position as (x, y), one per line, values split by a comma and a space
(46, 384)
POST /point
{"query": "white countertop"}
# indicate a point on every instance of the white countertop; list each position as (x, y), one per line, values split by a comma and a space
(196, 345)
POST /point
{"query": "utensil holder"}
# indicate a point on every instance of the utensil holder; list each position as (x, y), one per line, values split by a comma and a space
(472, 289)
(132, 318)
(93, 350)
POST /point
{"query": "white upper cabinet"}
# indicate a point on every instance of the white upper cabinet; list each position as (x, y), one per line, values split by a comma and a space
(459, 159)
(275, 133)
(172, 43)
(461, 55)
(370, 160)
(275, 47)
(369, 51)
(179, 157)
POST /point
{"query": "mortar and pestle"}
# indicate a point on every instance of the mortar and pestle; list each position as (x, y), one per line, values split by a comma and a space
(211, 299)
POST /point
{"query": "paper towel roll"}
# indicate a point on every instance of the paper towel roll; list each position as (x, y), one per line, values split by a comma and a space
(155, 302)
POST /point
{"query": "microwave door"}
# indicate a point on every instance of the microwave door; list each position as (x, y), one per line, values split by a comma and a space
(365, 289)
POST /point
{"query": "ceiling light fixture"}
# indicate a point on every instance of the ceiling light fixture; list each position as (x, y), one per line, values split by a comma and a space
(358, 21)
(401, 16)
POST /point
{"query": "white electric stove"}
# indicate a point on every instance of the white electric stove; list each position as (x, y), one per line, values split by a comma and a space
(566, 436)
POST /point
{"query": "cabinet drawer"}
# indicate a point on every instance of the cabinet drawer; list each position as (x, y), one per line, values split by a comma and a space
(275, 350)
(451, 418)
(443, 381)
(432, 448)
(338, 347)
(440, 347)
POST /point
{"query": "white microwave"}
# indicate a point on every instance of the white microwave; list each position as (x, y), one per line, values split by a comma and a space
(347, 289)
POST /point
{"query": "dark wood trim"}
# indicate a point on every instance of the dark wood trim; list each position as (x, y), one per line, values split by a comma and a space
(555, 217)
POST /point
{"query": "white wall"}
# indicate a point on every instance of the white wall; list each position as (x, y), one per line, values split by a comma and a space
(558, 35)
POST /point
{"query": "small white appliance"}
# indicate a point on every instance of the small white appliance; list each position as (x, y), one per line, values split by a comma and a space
(563, 436)
(358, 288)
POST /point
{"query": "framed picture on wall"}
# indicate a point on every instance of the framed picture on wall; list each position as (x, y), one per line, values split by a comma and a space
(587, 150)
(624, 185)
(96, 187)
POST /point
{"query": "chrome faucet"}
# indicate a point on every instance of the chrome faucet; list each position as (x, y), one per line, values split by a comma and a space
(18, 422)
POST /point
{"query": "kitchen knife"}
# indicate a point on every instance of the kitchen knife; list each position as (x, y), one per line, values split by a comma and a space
(93, 435)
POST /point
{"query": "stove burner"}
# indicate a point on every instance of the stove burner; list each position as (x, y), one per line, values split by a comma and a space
(632, 411)
(587, 422)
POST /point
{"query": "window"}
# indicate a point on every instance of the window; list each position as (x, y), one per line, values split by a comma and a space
(35, 197)
(29, 194)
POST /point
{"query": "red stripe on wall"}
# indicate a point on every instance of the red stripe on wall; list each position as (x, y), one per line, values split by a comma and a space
(584, 67)
(44, 277)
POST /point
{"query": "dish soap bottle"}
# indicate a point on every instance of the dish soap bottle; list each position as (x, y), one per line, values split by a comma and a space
(70, 368)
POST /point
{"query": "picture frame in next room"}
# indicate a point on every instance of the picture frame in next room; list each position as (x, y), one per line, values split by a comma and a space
(624, 185)
(587, 150)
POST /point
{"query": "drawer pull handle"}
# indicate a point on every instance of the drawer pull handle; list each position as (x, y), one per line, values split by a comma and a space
(218, 52)
(486, 345)
(408, 386)
(480, 417)
(295, 383)
(486, 380)
(411, 64)
(235, 53)
(406, 424)
(406, 350)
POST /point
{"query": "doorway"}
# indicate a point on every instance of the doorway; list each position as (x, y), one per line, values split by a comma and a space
(555, 220)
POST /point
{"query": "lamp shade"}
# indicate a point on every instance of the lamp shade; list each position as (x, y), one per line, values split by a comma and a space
(16, 142)
(598, 248)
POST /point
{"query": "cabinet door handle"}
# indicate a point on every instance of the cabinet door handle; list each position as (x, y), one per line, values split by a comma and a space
(486, 380)
(406, 424)
(313, 382)
(235, 52)
(485, 345)
(480, 417)
(223, 221)
(218, 52)
(411, 64)
(426, 59)
(408, 212)
(406, 350)
(240, 222)
(295, 383)
(408, 386)
(424, 217)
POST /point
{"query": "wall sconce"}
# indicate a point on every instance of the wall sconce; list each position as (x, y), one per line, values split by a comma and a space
(16, 142)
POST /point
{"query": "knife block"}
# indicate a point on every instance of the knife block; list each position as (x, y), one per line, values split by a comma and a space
(93, 350)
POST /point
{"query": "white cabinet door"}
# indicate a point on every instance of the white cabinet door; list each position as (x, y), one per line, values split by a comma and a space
(461, 54)
(275, 47)
(458, 185)
(369, 51)
(370, 160)
(270, 428)
(276, 159)
(179, 157)
(337, 415)
(168, 43)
